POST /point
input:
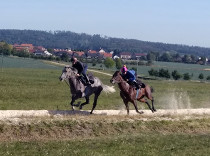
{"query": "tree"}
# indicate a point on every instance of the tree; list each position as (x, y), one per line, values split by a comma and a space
(186, 76)
(201, 76)
(187, 59)
(164, 73)
(166, 57)
(65, 57)
(118, 62)
(5, 48)
(153, 72)
(176, 75)
(208, 78)
(151, 56)
(109, 63)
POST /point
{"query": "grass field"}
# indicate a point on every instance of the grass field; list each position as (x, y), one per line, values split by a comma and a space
(35, 85)
(38, 87)
(102, 135)
(193, 69)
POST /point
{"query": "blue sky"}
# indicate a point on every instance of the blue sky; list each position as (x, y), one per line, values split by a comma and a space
(169, 21)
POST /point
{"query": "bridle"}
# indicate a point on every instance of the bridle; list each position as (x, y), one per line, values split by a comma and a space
(67, 77)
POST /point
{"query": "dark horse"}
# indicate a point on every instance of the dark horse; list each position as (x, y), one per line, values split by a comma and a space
(79, 90)
(128, 93)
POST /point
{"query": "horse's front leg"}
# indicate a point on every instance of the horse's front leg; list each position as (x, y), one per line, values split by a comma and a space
(72, 102)
(84, 103)
(125, 102)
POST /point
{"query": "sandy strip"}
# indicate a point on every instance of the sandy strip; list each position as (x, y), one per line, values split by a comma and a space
(6, 114)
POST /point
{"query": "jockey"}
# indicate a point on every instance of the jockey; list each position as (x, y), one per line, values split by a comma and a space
(81, 68)
(130, 77)
(123, 70)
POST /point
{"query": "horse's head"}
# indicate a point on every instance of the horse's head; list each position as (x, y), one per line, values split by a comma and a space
(67, 73)
(116, 78)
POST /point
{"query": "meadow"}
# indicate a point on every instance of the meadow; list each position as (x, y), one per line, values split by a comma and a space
(193, 69)
(32, 84)
(27, 84)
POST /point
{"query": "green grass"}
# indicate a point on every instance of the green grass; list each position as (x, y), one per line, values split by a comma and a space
(39, 88)
(193, 69)
(100, 135)
(142, 144)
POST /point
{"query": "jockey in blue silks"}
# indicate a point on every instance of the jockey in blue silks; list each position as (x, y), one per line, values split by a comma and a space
(129, 76)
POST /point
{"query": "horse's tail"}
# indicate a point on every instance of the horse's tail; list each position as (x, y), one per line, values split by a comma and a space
(108, 89)
(152, 89)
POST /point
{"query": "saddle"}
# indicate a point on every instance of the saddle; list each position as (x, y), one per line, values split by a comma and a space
(139, 83)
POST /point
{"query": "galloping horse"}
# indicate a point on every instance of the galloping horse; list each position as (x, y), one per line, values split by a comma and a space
(79, 90)
(129, 94)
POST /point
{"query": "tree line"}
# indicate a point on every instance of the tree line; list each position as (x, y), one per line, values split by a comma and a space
(164, 73)
(83, 41)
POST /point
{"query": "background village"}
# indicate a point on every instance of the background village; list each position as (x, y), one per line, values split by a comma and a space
(41, 51)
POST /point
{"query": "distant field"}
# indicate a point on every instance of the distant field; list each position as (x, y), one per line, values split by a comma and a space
(193, 69)
(18, 62)
(35, 85)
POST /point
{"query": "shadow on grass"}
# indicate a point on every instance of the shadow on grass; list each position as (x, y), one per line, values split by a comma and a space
(68, 112)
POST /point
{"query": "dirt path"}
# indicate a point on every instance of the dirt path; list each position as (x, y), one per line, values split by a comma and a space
(8, 114)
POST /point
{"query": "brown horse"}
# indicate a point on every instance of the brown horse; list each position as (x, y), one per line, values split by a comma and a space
(129, 94)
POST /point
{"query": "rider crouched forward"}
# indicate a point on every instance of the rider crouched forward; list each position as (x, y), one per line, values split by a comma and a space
(129, 76)
(82, 69)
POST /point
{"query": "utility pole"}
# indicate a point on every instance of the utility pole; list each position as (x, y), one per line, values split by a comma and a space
(137, 67)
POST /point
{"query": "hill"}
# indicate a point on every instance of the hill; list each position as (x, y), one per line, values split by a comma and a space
(68, 39)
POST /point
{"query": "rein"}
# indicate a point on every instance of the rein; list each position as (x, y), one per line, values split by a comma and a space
(67, 83)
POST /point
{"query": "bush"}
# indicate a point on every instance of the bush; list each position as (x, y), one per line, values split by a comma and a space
(153, 72)
(118, 63)
(201, 76)
(164, 73)
(109, 63)
(176, 75)
(186, 76)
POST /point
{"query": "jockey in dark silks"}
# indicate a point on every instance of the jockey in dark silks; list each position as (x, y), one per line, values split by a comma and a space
(82, 69)
(129, 76)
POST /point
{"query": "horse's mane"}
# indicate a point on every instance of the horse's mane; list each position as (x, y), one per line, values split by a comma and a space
(72, 68)
(116, 73)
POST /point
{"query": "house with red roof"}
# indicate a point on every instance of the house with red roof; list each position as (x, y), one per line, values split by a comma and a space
(24, 47)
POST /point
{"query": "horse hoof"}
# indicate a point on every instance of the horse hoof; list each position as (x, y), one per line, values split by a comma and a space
(141, 112)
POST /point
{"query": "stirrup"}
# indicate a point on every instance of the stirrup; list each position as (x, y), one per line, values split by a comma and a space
(137, 93)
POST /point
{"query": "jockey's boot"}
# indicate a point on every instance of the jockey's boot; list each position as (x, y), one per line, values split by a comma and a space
(87, 80)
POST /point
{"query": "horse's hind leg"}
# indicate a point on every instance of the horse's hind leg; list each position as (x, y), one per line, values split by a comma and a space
(135, 105)
(153, 105)
(145, 101)
(96, 98)
(84, 103)
(149, 96)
